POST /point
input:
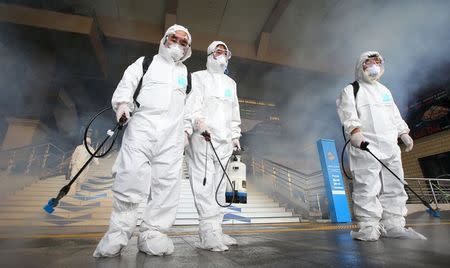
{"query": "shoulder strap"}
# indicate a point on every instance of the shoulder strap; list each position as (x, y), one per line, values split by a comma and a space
(189, 83)
(355, 85)
(145, 65)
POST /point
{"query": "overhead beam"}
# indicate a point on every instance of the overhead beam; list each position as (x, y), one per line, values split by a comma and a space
(145, 32)
(57, 21)
(170, 17)
(45, 19)
(275, 15)
(262, 45)
(262, 42)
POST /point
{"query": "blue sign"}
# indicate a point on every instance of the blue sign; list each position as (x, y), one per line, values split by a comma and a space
(334, 184)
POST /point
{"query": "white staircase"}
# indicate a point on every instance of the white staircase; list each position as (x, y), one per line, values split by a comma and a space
(91, 206)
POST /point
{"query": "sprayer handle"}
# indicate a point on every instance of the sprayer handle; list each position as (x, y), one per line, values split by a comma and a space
(123, 120)
(206, 135)
(364, 145)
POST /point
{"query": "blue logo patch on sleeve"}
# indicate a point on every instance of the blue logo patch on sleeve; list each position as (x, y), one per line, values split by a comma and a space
(228, 93)
(386, 97)
(182, 81)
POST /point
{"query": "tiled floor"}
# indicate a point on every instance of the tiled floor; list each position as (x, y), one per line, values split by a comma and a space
(266, 245)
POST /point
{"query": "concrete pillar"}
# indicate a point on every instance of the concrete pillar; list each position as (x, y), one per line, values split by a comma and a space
(39, 72)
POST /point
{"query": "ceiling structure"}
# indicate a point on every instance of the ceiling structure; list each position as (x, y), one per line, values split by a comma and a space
(298, 34)
(279, 46)
(259, 30)
(94, 41)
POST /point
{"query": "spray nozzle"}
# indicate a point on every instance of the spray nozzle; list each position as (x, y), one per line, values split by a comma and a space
(434, 212)
(50, 207)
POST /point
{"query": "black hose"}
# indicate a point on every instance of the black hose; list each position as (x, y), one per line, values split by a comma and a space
(342, 154)
(342, 161)
(120, 126)
(206, 163)
(233, 187)
(208, 139)
(53, 202)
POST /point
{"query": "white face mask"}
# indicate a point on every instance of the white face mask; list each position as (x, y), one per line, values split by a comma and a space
(222, 60)
(373, 70)
(176, 52)
(217, 65)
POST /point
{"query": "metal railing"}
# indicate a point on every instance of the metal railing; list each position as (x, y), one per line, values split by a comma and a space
(43, 160)
(302, 192)
(305, 192)
(433, 190)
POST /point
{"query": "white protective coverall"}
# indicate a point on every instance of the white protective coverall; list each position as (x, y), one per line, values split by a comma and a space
(377, 194)
(214, 102)
(79, 157)
(149, 165)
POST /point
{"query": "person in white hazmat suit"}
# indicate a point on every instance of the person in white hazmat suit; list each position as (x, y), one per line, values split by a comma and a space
(79, 157)
(149, 165)
(212, 107)
(379, 198)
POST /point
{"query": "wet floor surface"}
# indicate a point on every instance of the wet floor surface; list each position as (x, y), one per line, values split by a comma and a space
(301, 245)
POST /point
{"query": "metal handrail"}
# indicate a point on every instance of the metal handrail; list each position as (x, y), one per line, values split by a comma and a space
(282, 181)
(304, 192)
(427, 179)
(31, 146)
(431, 189)
(290, 172)
(39, 159)
(291, 169)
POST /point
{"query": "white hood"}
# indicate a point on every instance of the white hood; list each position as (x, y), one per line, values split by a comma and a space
(163, 50)
(211, 65)
(359, 72)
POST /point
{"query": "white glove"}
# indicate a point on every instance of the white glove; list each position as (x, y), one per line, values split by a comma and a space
(356, 139)
(408, 141)
(201, 126)
(123, 109)
(236, 143)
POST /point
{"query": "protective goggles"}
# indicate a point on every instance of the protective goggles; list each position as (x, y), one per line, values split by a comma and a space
(182, 41)
(219, 52)
(373, 59)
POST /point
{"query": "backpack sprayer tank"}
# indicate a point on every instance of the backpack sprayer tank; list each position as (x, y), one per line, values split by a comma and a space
(237, 172)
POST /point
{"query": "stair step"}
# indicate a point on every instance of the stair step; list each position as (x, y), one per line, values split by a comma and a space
(27, 209)
(107, 205)
(44, 192)
(92, 205)
(60, 215)
(90, 198)
(105, 222)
